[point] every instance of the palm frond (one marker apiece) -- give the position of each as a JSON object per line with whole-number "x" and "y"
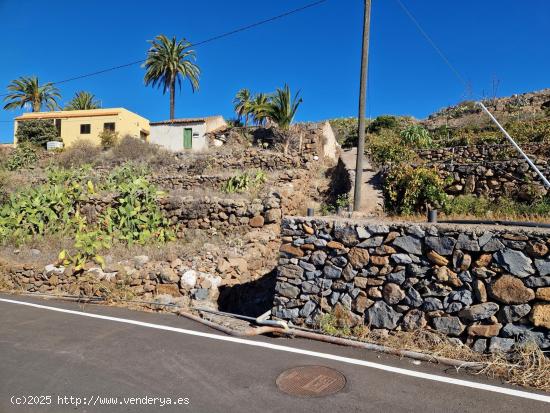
{"x": 27, "y": 91}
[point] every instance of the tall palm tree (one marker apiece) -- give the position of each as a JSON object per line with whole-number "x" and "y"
{"x": 259, "y": 108}
{"x": 242, "y": 105}
{"x": 282, "y": 107}
{"x": 83, "y": 101}
{"x": 27, "y": 91}
{"x": 168, "y": 62}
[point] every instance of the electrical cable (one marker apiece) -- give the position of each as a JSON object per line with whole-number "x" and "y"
{"x": 200, "y": 43}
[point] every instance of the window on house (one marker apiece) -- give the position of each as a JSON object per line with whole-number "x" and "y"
{"x": 58, "y": 127}
{"x": 85, "y": 128}
{"x": 109, "y": 126}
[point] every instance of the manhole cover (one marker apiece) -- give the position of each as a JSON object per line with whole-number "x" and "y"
{"x": 312, "y": 381}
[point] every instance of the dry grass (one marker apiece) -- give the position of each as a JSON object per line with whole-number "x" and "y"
{"x": 82, "y": 152}
{"x": 48, "y": 247}
{"x": 526, "y": 365}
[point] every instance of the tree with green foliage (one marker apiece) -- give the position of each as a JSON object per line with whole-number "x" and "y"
{"x": 27, "y": 92}
{"x": 258, "y": 108}
{"x": 282, "y": 107}
{"x": 83, "y": 101}
{"x": 169, "y": 62}
{"x": 36, "y": 131}
{"x": 242, "y": 105}
{"x": 383, "y": 122}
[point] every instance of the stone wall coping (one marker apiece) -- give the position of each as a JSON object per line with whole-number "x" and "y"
{"x": 477, "y": 228}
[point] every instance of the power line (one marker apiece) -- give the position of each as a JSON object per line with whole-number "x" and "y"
{"x": 433, "y": 44}
{"x": 202, "y": 42}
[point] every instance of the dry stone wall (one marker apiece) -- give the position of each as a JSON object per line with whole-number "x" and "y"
{"x": 239, "y": 158}
{"x": 482, "y": 153}
{"x": 488, "y": 287}
{"x": 190, "y": 212}
{"x": 490, "y": 170}
{"x": 221, "y": 213}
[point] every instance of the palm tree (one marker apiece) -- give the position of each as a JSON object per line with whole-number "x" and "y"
{"x": 83, "y": 101}
{"x": 168, "y": 62}
{"x": 259, "y": 108}
{"x": 242, "y": 105}
{"x": 27, "y": 91}
{"x": 282, "y": 107}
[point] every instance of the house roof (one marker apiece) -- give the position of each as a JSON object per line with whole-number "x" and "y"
{"x": 185, "y": 121}
{"x": 71, "y": 114}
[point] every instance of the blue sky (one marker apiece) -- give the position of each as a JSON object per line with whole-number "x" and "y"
{"x": 317, "y": 51}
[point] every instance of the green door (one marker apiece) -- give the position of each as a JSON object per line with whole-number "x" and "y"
{"x": 187, "y": 138}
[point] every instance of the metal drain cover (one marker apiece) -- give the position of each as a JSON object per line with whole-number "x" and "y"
{"x": 311, "y": 381}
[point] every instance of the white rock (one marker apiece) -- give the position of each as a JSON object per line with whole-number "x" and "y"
{"x": 51, "y": 269}
{"x": 188, "y": 279}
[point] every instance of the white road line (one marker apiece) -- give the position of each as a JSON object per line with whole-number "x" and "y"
{"x": 348, "y": 360}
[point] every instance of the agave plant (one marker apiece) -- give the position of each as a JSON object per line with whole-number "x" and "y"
{"x": 83, "y": 101}
{"x": 168, "y": 62}
{"x": 27, "y": 92}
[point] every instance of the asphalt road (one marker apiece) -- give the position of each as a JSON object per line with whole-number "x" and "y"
{"x": 47, "y": 353}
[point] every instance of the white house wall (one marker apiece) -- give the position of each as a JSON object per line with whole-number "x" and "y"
{"x": 171, "y": 136}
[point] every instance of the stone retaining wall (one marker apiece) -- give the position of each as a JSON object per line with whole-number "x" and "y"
{"x": 513, "y": 179}
{"x": 482, "y": 153}
{"x": 488, "y": 287}
{"x": 223, "y": 214}
{"x": 240, "y": 159}
{"x": 204, "y": 212}
{"x": 490, "y": 170}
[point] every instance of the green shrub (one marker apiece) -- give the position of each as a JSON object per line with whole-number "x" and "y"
{"x": 87, "y": 247}
{"x": 409, "y": 190}
{"x": 44, "y": 209}
{"x": 502, "y": 207}
{"x": 136, "y": 216}
{"x": 244, "y": 182}
{"x": 3, "y": 186}
{"x": 529, "y": 131}
{"x": 415, "y": 136}
{"x": 387, "y": 148}
{"x": 37, "y": 132}
{"x": 23, "y": 156}
{"x": 127, "y": 172}
{"x": 108, "y": 139}
{"x": 383, "y": 122}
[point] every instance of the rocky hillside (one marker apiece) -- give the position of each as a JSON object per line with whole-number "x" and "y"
{"x": 525, "y": 106}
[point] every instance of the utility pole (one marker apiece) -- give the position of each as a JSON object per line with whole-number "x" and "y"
{"x": 362, "y": 107}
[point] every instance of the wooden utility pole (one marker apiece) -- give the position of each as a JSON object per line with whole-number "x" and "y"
{"x": 362, "y": 107}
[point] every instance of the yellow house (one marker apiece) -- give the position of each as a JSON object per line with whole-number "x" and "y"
{"x": 73, "y": 125}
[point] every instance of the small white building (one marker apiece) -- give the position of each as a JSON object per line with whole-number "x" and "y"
{"x": 185, "y": 134}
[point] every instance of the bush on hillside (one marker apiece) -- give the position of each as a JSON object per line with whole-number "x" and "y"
{"x": 82, "y": 152}
{"x": 37, "y": 132}
{"x": 386, "y": 147}
{"x": 502, "y": 207}
{"x": 108, "y": 139}
{"x": 383, "y": 122}
{"x": 132, "y": 149}
{"x": 409, "y": 190}
{"x": 415, "y": 136}
{"x": 23, "y": 156}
